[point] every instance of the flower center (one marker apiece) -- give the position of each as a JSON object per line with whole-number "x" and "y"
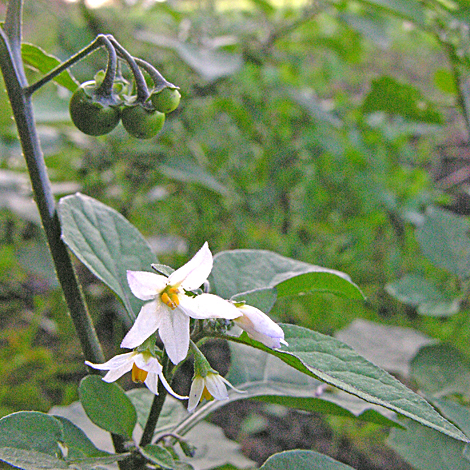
{"x": 138, "y": 375}
{"x": 170, "y": 297}
{"x": 206, "y": 394}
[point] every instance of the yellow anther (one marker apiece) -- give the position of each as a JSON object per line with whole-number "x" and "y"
{"x": 206, "y": 394}
{"x": 138, "y": 375}
{"x": 170, "y": 297}
{"x": 175, "y": 299}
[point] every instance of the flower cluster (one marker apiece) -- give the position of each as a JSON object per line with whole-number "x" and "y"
{"x": 170, "y": 304}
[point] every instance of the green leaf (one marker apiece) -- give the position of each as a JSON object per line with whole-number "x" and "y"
{"x": 426, "y": 449}
{"x": 30, "y": 459}
{"x": 445, "y": 242}
{"x": 444, "y": 81}
{"x": 418, "y": 292}
{"x": 31, "y": 440}
{"x": 413, "y": 290}
{"x": 439, "y": 309}
{"x": 158, "y": 455}
{"x": 302, "y": 459}
{"x": 31, "y": 430}
{"x": 458, "y": 414}
{"x": 36, "y": 58}
{"x": 396, "y": 98}
{"x": 265, "y": 377}
{"x": 105, "y": 242}
{"x": 441, "y": 370}
{"x": 337, "y": 364}
{"x": 239, "y": 271}
{"x": 101, "y": 400}
{"x": 76, "y": 442}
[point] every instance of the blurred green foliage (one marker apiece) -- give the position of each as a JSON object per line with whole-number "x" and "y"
{"x": 313, "y": 130}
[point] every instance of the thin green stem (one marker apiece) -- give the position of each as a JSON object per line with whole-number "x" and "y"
{"x": 142, "y": 89}
{"x": 159, "y": 81}
{"x": 106, "y": 87}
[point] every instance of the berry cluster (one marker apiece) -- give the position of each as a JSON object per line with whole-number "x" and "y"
{"x": 97, "y": 106}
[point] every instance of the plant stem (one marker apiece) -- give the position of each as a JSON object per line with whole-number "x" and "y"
{"x": 142, "y": 89}
{"x": 15, "y": 81}
{"x": 106, "y": 87}
{"x": 23, "y": 114}
{"x": 12, "y": 28}
{"x": 157, "y": 406}
{"x": 459, "y": 86}
{"x": 158, "y": 79}
{"x": 96, "y": 44}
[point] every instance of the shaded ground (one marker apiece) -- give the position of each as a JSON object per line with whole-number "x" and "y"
{"x": 299, "y": 430}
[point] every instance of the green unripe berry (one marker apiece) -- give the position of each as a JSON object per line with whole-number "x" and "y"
{"x": 142, "y": 122}
{"x": 91, "y": 115}
{"x": 166, "y": 100}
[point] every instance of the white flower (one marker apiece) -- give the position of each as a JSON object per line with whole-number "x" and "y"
{"x": 170, "y": 308}
{"x": 145, "y": 368}
{"x": 259, "y": 326}
{"x": 208, "y": 387}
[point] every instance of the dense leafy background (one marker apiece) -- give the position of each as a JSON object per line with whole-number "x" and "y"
{"x": 333, "y": 133}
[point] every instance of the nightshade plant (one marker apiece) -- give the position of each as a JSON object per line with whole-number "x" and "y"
{"x": 208, "y": 297}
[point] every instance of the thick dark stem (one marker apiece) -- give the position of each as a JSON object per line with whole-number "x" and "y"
{"x": 12, "y": 69}
{"x": 157, "y": 406}
{"x": 23, "y": 114}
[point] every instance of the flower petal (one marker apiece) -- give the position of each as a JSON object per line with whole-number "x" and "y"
{"x": 145, "y": 285}
{"x": 174, "y": 332}
{"x": 145, "y": 325}
{"x": 152, "y": 382}
{"x": 115, "y": 362}
{"x": 225, "y": 381}
{"x": 207, "y": 306}
{"x": 195, "y": 394}
{"x": 195, "y": 271}
{"x": 148, "y": 363}
{"x": 115, "y": 374}
{"x": 169, "y": 389}
{"x": 260, "y": 327}
{"x": 216, "y": 387}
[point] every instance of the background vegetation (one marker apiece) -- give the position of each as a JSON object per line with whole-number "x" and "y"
{"x": 323, "y": 131}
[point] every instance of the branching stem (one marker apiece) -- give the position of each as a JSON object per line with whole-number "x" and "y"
{"x": 100, "y": 41}
{"x": 142, "y": 89}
